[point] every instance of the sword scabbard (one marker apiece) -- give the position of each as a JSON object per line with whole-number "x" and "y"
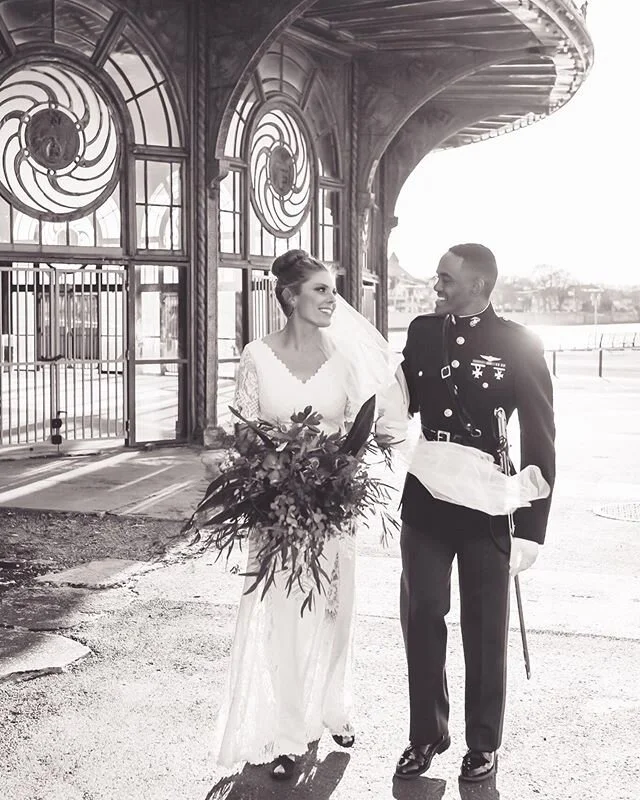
{"x": 503, "y": 454}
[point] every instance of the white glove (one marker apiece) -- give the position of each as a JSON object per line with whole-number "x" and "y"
{"x": 523, "y": 555}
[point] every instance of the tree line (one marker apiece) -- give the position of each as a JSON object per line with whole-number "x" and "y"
{"x": 551, "y": 290}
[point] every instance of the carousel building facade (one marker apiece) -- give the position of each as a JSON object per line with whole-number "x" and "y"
{"x": 156, "y": 156}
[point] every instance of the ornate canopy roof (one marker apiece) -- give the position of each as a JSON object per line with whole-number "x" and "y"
{"x": 531, "y": 55}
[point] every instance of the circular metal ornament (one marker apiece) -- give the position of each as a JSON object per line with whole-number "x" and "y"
{"x": 59, "y": 142}
{"x": 281, "y": 172}
{"x": 51, "y": 138}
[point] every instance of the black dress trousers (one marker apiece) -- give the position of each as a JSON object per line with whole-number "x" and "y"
{"x": 481, "y": 544}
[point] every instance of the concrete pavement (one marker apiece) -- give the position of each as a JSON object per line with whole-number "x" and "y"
{"x": 132, "y": 718}
{"x": 165, "y": 482}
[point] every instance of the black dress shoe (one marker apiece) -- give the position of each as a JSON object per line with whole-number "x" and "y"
{"x": 417, "y": 758}
{"x": 478, "y": 765}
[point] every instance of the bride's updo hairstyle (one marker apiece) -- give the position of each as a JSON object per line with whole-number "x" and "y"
{"x": 292, "y": 269}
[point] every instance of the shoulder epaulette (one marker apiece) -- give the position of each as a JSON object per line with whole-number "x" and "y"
{"x": 516, "y": 326}
{"x": 526, "y": 332}
{"x": 511, "y": 323}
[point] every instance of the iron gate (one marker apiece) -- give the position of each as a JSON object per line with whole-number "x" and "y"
{"x": 266, "y": 315}
{"x": 63, "y": 370}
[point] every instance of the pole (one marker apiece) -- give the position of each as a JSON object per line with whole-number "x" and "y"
{"x": 503, "y": 452}
{"x": 600, "y": 363}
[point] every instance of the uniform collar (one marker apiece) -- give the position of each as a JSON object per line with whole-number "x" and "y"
{"x": 474, "y": 320}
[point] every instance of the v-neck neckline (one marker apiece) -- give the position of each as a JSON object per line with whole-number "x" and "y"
{"x": 301, "y": 381}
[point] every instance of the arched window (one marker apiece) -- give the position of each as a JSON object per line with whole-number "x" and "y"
{"x": 92, "y": 170}
{"x": 284, "y": 190}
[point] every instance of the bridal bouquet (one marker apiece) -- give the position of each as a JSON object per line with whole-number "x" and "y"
{"x": 292, "y": 488}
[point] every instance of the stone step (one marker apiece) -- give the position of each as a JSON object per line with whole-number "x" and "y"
{"x": 100, "y": 574}
{"x": 25, "y": 655}
{"x": 42, "y": 608}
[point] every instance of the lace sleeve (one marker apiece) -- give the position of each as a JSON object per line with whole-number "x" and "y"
{"x": 350, "y": 410}
{"x": 352, "y": 402}
{"x": 246, "y": 395}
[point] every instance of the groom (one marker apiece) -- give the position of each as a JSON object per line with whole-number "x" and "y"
{"x": 460, "y": 364}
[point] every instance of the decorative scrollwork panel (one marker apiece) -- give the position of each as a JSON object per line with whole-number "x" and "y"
{"x": 58, "y": 140}
{"x": 281, "y": 172}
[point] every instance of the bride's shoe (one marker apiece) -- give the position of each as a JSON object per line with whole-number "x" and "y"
{"x": 344, "y": 741}
{"x": 281, "y": 768}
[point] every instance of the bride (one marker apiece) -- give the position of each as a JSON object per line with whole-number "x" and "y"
{"x": 289, "y": 676}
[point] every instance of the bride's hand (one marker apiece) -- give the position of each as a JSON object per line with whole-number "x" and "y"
{"x": 211, "y": 461}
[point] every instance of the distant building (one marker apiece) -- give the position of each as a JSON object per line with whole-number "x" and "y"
{"x": 407, "y": 294}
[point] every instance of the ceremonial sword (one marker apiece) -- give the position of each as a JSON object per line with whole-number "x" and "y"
{"x": 503, "y": 454}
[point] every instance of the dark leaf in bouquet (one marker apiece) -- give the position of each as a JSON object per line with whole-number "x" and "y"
{"x": 223, "y": 495}
{"x": 308, "y": 603}
{"x": 225, "y": 514}
{"x": 258, "y": 575}
{"x": 296, "y": 578}
{"x": 307, "y": 418}
{"x": 188, "y": 525}
{"x": 258, "y": 431}
{"x": 211, "y": 497}
{"x": 356, "y": 439}
{"x": 319, "y": 574}
{"x": 387, "y": 523}
{"x": 217, "y": 491}
{"x": 215, "y": 484}
{"x": 266, "y": 573}
{"x": 271, "y": 579}
{"x": 300, "y": 416}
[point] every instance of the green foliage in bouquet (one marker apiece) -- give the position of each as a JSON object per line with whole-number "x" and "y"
{"x": 293, "y": 488}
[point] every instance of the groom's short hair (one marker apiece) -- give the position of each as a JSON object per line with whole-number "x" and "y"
{"x": 480, "y": 260}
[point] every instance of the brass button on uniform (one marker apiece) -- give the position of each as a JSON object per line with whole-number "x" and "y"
{"x": 420, "y": 373}
{"x": 448, "y": 412}
{"x": 485, "y": 385}
{"x": 460, "y": 340}
{"x": 455, "y": 364}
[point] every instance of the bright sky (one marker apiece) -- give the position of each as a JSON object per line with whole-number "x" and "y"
{"x": 563, "y": 191}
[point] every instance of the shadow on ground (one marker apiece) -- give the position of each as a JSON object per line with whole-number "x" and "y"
{"x": 433, "y": 789}
{"x": 419, "y": 789}
{"x": 313, "y": 779}
{"x": 35, "y": 542}
{"x": 486, "y": 790}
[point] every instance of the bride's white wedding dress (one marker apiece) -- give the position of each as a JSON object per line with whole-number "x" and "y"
{"x": 289, "y": 676}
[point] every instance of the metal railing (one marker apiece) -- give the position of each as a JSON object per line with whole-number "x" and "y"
{"x": 605, "y": 343}
{"x": 618, "y": 341}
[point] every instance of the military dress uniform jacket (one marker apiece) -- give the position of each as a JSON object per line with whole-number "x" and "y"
{"x": 494, "y": 363}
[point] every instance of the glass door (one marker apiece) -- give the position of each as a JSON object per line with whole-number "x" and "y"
{"x": 159, "y": 364}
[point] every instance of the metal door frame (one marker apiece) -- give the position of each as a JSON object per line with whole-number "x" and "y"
{"x": 34, "y": 373}
{"x": 180, "y": 362}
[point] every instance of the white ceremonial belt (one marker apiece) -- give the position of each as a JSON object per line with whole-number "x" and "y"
{"x": 470, "y": 477}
